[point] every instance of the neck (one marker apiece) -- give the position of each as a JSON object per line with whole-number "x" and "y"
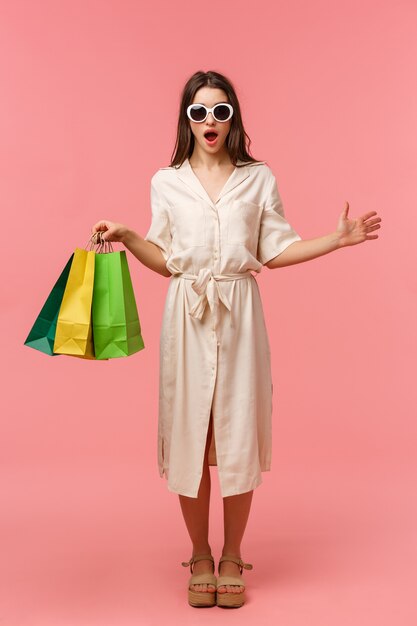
{"x": 203, "y": 160}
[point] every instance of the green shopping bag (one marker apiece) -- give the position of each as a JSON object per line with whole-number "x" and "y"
{"x": 116, "y": 325}
{"x": 42, "y": 334}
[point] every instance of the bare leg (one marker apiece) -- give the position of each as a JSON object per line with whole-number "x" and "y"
{"x": 236, "y": 512}
{"x": 196, "y": 516}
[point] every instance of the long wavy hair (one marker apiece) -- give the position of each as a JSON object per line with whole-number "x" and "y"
{"x": 237, "y": 140}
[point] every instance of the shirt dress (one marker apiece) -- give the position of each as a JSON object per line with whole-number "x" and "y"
{"x": 214, "y": 352}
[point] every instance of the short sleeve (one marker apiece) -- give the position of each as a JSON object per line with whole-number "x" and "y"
{"x": 275, "y": 232}
{"x": 159, "y": 232}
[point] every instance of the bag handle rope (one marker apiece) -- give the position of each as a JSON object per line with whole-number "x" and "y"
{"x": 103, "y": 246}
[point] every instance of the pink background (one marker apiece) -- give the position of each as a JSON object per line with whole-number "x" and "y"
{"x": 88, "y": 109}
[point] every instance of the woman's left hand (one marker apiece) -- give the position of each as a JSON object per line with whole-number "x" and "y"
{"x": 356, "y": 230}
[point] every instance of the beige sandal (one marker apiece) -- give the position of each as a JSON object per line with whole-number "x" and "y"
{"x": 227, "y": 598}
{"x": 201, "y": 598}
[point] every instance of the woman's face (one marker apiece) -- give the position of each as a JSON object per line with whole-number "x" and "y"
{"x": 210, "y": 96}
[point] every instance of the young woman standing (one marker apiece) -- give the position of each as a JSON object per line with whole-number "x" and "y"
{"x": 217, "y": 217}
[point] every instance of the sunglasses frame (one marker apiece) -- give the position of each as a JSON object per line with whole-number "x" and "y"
{"x": 209, "y": 111}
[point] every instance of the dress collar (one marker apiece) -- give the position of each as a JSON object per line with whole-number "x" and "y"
{"x": 186, "y": 174}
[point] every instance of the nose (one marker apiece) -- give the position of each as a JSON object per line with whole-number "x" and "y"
{"x": 210, "y": 118}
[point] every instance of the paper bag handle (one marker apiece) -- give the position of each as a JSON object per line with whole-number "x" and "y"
{"x": 103, "y": 246}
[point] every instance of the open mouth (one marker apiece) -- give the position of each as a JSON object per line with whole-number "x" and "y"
{"x": 210, "y": 136}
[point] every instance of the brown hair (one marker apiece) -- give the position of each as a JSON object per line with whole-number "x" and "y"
{"x": 237, "y": 140}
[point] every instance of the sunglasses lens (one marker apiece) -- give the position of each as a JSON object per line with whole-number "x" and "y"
{"x": 198, "y": 113}
{"x": 221, "y": 112}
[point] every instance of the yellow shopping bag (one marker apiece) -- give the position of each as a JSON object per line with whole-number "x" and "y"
{"x": 74, "y": 331}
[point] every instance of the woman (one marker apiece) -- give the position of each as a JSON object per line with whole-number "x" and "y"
{"x": 217, "y": 217}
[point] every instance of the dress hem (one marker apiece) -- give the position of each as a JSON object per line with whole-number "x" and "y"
{"x": 255, "y": 483}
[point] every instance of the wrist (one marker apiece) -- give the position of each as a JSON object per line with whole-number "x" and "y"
{"x": 338, "y": 241}
{"x": 127, "y": 236}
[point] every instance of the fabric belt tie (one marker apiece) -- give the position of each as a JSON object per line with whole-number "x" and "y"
{"x": 206, "y": 285}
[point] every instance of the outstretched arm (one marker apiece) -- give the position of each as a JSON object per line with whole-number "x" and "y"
{"x": 145, "y": 251}
{"x": 348, "y": 233}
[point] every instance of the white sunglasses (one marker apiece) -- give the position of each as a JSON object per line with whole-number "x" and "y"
{"x": 199, "y": 112}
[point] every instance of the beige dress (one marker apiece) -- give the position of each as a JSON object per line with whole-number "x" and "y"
{"x": 214, "y": 347}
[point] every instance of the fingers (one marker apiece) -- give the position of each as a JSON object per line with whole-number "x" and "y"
{"x": 366, "y": 216}
{"x": 376, "y": 220}
{"x": 102, "y": 225}
{"x": 345, "y": 211}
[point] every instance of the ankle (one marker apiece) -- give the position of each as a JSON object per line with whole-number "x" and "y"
{"x": 231, "y": 551}
{"x": 201, "y": 549}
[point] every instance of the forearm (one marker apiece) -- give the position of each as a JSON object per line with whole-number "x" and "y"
{"x": 305, "y": 250}
{"x": 146, "y": 252}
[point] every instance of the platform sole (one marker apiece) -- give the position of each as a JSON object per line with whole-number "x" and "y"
{"x": 231, "y": 600}
{"x": 201, "y": 598}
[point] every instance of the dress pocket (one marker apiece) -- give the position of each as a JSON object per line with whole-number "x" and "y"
{"x": 243, "y": 222}
{"x": 189, "y": 225}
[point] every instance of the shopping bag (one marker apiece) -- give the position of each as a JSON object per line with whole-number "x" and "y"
{"x": 42, "y": 334}
{"x": 74, "y": 332}
{"x": 116, "y": 325}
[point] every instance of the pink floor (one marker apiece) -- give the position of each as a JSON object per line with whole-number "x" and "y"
{"x": 329, "y": 547}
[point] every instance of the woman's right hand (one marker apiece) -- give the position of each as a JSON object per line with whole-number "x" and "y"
{"x": 111, "y": 231}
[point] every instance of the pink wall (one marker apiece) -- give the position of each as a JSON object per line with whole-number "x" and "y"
{"x": 88, "y": 109}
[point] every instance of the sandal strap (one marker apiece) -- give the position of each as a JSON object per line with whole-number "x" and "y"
{"x": 230, "y": 580}
{"x": 195, "y": 558}
{"x": 235, "y": 559}
{"x": 203, "y": 579}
